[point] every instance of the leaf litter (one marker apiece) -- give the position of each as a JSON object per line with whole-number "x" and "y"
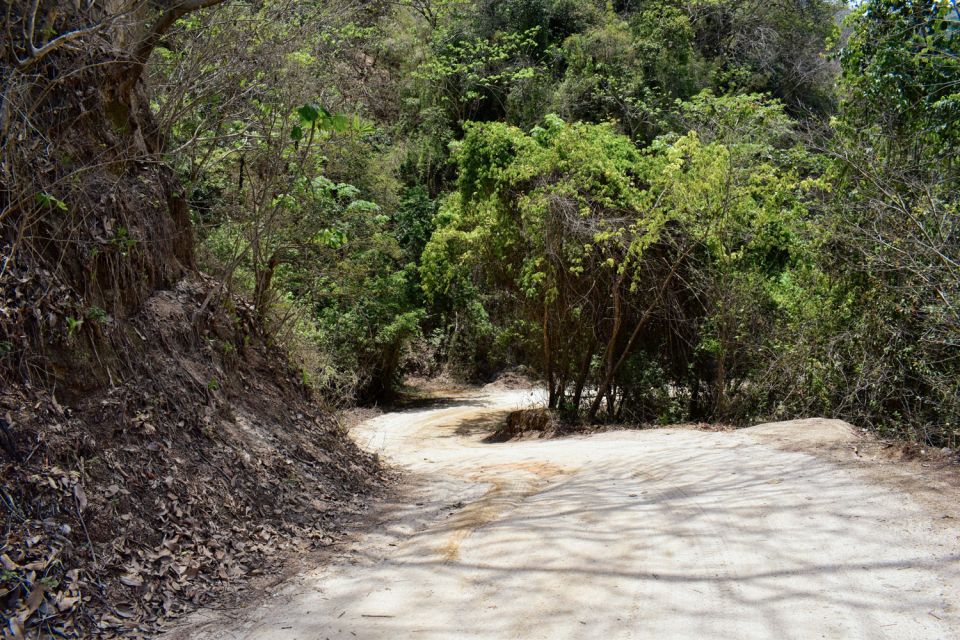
{"x": 129, "y": 506}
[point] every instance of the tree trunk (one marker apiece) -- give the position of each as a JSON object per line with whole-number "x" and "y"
{"x": 641, "y": 324}
{"x": 262, "y": 287}
{"x": 719, "y": 386}
{"x": 123, "y": 231}
{"x": 582, "y": 376}
{"x": 548, "y": 356}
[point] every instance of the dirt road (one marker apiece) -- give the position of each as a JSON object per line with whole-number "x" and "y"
{"x": 662, "y": 534}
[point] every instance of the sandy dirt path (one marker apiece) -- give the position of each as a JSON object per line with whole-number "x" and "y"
{"x": 661, "y": 534}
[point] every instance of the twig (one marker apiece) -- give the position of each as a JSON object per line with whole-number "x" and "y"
{"x": 83, "y": 524}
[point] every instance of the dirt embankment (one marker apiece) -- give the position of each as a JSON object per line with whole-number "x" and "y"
{"x": 200, "y": 469}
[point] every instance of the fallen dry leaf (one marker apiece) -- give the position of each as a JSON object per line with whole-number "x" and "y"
{"x": 81, "y": 497}
{"x": 34, "y": 600}
{"x": 132, "y": 580}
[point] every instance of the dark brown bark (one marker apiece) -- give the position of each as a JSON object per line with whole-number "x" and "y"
{"x": 263, "y": 283}
{"x": 607, "y": 381}
{"x": 548, "y": 356}
{"x": 582, "y": 375}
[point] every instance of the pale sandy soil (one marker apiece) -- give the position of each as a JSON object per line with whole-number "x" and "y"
{"x": 779, "y": 531}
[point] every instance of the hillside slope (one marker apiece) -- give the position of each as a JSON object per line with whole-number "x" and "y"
{"x": 154, "y": 444}
{"x": 202, "y": 465}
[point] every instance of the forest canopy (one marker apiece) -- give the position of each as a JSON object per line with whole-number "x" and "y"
{"x": 668, "y": 209}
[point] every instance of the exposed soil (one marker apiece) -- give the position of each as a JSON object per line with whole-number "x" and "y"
{"x": 189, "y": 482}
{"x": 929, "y": 475}
{"x": 768, "y": 532}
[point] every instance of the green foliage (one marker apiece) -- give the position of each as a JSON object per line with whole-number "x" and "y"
{"x": 769, "y": 47}
{"x": 573, "y": 228}
{"x": 900, "y": 69}
{"x": 414, "y": 222}
{"x": 47, "y": 200}
{"x": 511, "y": 183}
{"x": 318, "y": 118}
{"x": 284, "y": 189}
{"x": 469, "y": 72}
{"x": 73, "y": 326}
{"x": 629, "y": 70}
{"x": 891, "y": 358}
{"x": 122, "y": 241}
{"x": 711, "y": 226}
{"x": 97, "y": 314}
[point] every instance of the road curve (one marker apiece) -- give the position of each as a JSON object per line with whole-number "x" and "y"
{"x": 662, "y": 534}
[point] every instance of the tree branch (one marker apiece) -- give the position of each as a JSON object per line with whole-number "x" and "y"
{"x": 177, "y": 10}
{"x": 65, "y": 38}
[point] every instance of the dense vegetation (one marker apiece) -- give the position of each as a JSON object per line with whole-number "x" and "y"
{"x": 671, "y": 209}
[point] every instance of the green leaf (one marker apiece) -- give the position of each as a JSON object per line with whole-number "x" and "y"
{"x": 333, "y": 238}
{"x": 309, "y": 114}
{"x": 339, "y": 123}
{"x": 363, "y": 206}
{"x": 50, "y": 201}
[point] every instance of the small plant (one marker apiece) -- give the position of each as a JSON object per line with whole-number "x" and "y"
{"x": 305, "y": 378}
{"x": 123, "y": 241}
{"x": 73, "y": 325}
{"x": 212, "y": 384}
{"x": 50, "y": 582}
{"x": 53, "y": 202}
{"x": 97, "y": 314}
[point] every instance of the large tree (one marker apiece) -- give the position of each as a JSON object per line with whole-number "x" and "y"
{"x": 617, "y": 260}
{"x": 92, "y": 220}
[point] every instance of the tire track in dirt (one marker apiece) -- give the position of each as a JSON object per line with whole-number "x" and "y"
{"x": 668, "y": 533}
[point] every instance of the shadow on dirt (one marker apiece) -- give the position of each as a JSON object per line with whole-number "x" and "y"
{"x": 768, "y": 549}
